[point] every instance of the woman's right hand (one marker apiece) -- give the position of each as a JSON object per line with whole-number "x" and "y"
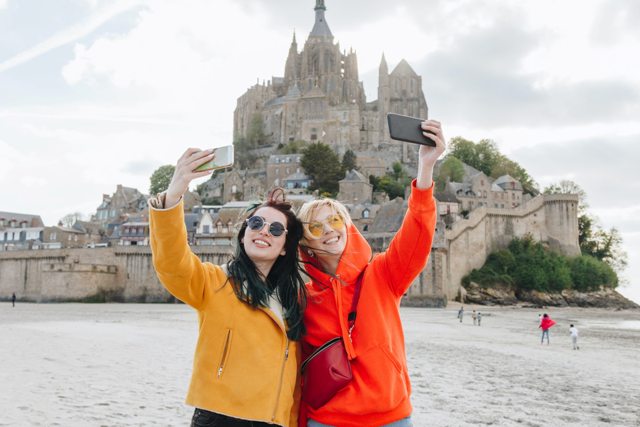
{"x": 184, "y": 174}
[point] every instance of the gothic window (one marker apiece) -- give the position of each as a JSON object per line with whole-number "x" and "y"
{"x": 234, "y": 188}
{"x": 365, "y": 213}
{"x": 314, "y": 134}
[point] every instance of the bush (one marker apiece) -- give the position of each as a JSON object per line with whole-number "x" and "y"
{"x": 528, "y": 265}
{"x": 588, "y": 274}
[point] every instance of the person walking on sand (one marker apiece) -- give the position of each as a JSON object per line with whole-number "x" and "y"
{"x": 245, "y": 368}
{"x": 573, "y": 331}
{"x": 474, "y": 316}
{"x": 13, "y": 299}
{"x": 545, "y": 324}
{"x": 339, "y": 260}
{"x": 479, "y": 318}
{"x": 461, "y": 313}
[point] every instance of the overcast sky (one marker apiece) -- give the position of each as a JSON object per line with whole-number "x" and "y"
{"x": 95, "y": 93}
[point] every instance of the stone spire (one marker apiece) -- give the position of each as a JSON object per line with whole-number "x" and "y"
{"x": 320, "y": 28}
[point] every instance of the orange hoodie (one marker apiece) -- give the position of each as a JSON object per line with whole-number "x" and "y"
{"x": 380, "y": 390}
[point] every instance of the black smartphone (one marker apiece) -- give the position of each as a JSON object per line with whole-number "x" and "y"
{"x": 405, "y": 128}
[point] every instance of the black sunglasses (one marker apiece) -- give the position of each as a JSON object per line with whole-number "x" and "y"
{"x": 256, "y": 223}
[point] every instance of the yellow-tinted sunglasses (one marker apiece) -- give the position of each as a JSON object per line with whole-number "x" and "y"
{"x": 316, "y": 228}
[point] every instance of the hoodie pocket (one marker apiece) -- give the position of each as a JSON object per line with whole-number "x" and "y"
{"x": 224, "y": 354}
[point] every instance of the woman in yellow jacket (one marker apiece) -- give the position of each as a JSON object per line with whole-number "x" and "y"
{"x": 249, "y": 310}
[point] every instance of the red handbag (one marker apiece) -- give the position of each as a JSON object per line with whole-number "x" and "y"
{"x": 328, "y": 370}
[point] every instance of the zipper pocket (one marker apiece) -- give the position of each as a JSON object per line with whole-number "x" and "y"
{"x": 318, "y": 350}
{"x": 225, "y": 353}
{"x": 284, "y": 363}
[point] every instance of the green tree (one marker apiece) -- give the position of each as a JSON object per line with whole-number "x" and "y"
{"x": 323, "y": 166}
{"x": 255, "y": 133}
{"x": 452, "y": 169}
{"x": 349, "y": 161}
{"x": 393, "y": 182}
{"x": 293, "y": 147}
{"x": 243, "y": 156}
{"x": 160, "y": 179}
{"x": 486, "y": 157}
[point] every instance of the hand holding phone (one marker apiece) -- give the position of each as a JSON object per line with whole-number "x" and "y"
{"x": 223, "y": 158}
{"x": 409, "y": 129}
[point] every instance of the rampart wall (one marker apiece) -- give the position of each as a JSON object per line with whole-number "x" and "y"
{"x": 101, "y": 274}
{"x": 127, "y": 274}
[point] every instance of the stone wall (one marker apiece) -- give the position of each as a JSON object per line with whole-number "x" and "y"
{"x": 101, "y": 274}
{"x": 550, "y": 219}
{"x": 127, "y": 274}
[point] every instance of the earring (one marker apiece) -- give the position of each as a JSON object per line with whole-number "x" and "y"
{"x": 310, "y": 252}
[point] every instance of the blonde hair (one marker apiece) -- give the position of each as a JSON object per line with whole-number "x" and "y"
{"x": 310, "y": 209}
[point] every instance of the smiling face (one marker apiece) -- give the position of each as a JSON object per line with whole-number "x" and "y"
{"x": 260, "y": 245}
{"x": 331, "y": 241}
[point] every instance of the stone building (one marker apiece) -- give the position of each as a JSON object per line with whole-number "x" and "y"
{"x": 321, "y": 99}
{"x": 58, "y": 237}
{"x": 355, "y": 188}
{"x": 20, "y": 231}
{"x": 125, "y": 200}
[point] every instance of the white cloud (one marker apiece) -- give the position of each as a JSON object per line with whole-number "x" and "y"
{"x": 70, "y": 34}
{"x": 3, "y": 4}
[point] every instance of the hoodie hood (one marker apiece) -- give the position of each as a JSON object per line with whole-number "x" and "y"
{"x": 355, "y": 257}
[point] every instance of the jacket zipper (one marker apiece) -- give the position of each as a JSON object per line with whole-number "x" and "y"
{"x": 225, "y": 351}
{"x": 284, "y": 363}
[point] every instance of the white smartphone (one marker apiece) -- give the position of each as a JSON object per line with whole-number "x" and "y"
{"x": 223, "y": 159}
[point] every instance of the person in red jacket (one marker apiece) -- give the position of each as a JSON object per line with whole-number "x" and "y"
{"x": 546, "y": 323}
{"x": 335, "y": 255}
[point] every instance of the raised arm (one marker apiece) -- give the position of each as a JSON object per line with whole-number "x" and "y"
{"x": 409, "y": 250}
{"x": 178, "y": 268}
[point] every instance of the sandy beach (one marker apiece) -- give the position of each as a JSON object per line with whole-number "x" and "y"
{"x": 129, "y": 365}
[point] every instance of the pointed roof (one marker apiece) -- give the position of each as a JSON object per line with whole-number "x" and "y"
{"x": 403, "y": 69}
{"x": 383, "y": 63}
{"x": 294, "y": 91}
{"x": 354, "y": 176}
{"x": 320, "y": 28}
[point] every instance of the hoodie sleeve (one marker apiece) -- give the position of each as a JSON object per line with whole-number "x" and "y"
{"x": 409, "y": 250}
{"x": 178, "y": 268}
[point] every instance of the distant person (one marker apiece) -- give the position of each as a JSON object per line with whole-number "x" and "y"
{"x": 461, "y": 313}
{"x": 539, "y": 320}
{"x": 573, "y": 331}
{"x": 13, "y": 299}
{"x": 545, "y": 324}
{"x": 245, "y": 368}
{"x": 479, "y": 318}
{"x": 474, "y": 316}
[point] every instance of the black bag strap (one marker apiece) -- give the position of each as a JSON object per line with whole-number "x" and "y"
{"x": 354, "y": 303}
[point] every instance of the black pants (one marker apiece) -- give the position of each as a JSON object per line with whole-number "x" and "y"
{"x": 204, "y": 418}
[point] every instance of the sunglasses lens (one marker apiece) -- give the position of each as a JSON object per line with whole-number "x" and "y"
{"x": 255, "y": 223}
{"x": 335, "y": 222}
{"x": 316, "y": 228}
{"x": 276, "y": 229}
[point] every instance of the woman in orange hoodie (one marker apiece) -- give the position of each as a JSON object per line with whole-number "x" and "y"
{"x": 249, "y": 310}
{"x": 336, "y": 255}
